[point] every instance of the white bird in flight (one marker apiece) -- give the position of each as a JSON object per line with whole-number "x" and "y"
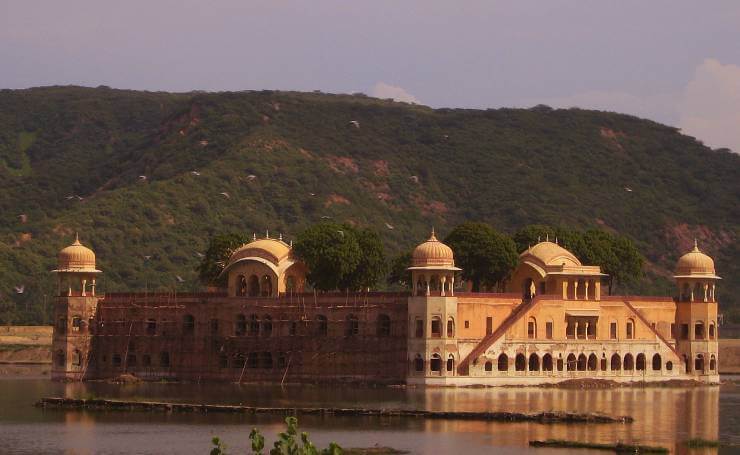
{"x": 23, "y": 217}
{"x": 627, "y": 189}
{"x": 20, "y": 289}
{"x": 199, "y": 254}
{"x": 179, "y": 279}
{"x": 389, "y": 226}
{"x": 354, "y": 123}
{"x": 195, "y": 172}
{"x": 225, "y": 194}
{"x": 147, "y": 257}
{"x": 251, "y": 177}
{"x": 142, "y": 177}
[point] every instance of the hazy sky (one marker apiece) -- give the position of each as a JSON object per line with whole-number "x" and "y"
{"x": 674, "y": 61}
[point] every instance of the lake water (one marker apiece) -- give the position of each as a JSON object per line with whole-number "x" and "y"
{"x": 663, "y": 416}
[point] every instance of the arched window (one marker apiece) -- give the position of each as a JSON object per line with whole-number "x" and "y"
{"x": 76, "y": 323}
{"x": 592, "y": 362}
{"x": 547, "y": 362}
{"x": 698, "y": 292}
{"x": 436, "y": 327}
{"x": 571, "y": 362}
{"x": 322, "y": 327}
{"x": 629, "y": 362}
{"x": 657, "y": 362}
{"x": 164, "y": 359}
{"x": 266, "y": 360}
{"x": 488, "y": 366}
{"x": 252, "y": 360}
{"x": 267, "y": 326}
{"x": 290, "y": 284}
{"x": 254, "y": 286}
{"x": 640, "y": 362}
{"x": 534, "y": 362}
{"x": 630, "y": 329}
{"x": 699, "y": 363}
{"x": 352, "y": 326}
{"x": 240, "y": 325}
{"x": 241, "y": 286}
{"x": 254, "y": 325}
{"x": 669, "y": 366}
{"x": 60, "y": 358}
{"x": 450, "y": 363}
{"x": 188, "y": 324}
{"x": 699, "y": 330}
{"x": 151, "y": 326}
{"x": 77, "y": 358}
{"x": 419, "y": 363}
{"x": 420, "y": 290}
{"x": 616, "y": 362}
{"x": 520, "y": 362}
{"x": 434, "y": 283}
{"x": 435, "y": 364}
{"x": 711, "y": 331}
{"x": 532, "y": 328}
{"x": 266, "y": 286}
{"x": 582, "y": 362}
{"x": 450, "y": 328}
{"x": 503, "y": 362}
{"x": 712, "y": 363}
{"x": 383, "y": 328}
{"x": 239, "y": 361}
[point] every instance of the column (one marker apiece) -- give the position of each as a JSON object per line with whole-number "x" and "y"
{"x": 452, "y": 284}
{"x": 565, "y": 289}
{"x": 426, "y": 280}
{"x": 586, "y": 287}
{"x": 92, "y": 287}
{"x": 83, "y": 285}
{"x": 706, "y": 291}
{"x": 442, "y": 282}
{"x": 597, "y": 290}
{"x": 575, "y": 289}
{"x": 587, "y": 324}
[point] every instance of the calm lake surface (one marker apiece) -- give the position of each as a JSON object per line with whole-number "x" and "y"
{"x": 663, "y": 416}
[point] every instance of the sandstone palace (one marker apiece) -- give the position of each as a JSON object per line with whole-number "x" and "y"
{"x": 552, "y": 325}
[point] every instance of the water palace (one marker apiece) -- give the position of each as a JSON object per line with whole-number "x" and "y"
{"x": 552, "y": 324}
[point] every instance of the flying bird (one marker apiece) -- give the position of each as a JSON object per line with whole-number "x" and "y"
{"x": 199, "y": 254}
{"x": 251, "y": 177}
{"x": 312, "y": 194}
{"x": 69, "y": 197}
{"x": 179, "y": 279}
{"x": 627, "y": 189}
{"x": 79, "y": 198}
{"x": 195, "y": 172}
{"x": 142, "y": 177}
{"x": 325, "y": 217}
{"x": 341, "y": 232}
{"x": 225, "y": 194}
{"x": 389, "y": 226}
{"x": 414, "y": 179}
{"x": 355, "y": 123}
{"x": 20, "y": 289}
{"x": 147, "y": 257}
{"x": 23, "y": 217}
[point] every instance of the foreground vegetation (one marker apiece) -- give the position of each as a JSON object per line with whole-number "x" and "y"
{"x": 149, "y": 178}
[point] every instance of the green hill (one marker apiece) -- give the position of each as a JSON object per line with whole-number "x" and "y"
{"x": 71, "y": 160}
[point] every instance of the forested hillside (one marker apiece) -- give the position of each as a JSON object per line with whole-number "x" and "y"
{"x": 146, "y": 178}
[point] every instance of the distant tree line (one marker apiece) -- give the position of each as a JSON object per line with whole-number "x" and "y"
{"x": 343, "y": 257}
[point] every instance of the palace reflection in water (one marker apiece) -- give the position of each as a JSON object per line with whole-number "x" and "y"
{"x": 663, "y": 416}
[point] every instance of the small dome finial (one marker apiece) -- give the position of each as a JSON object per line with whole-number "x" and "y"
{"x": 267, "y": 233}
{"x": 696, "y": 245}
{"x": 280, "y": 236}
{"x": 547, "y": 237}
{"x": 432, "y": 238}
{"x": 556, "y": 241}
{"x": 77, "y": 239}
{"x": 254, "y": 236}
